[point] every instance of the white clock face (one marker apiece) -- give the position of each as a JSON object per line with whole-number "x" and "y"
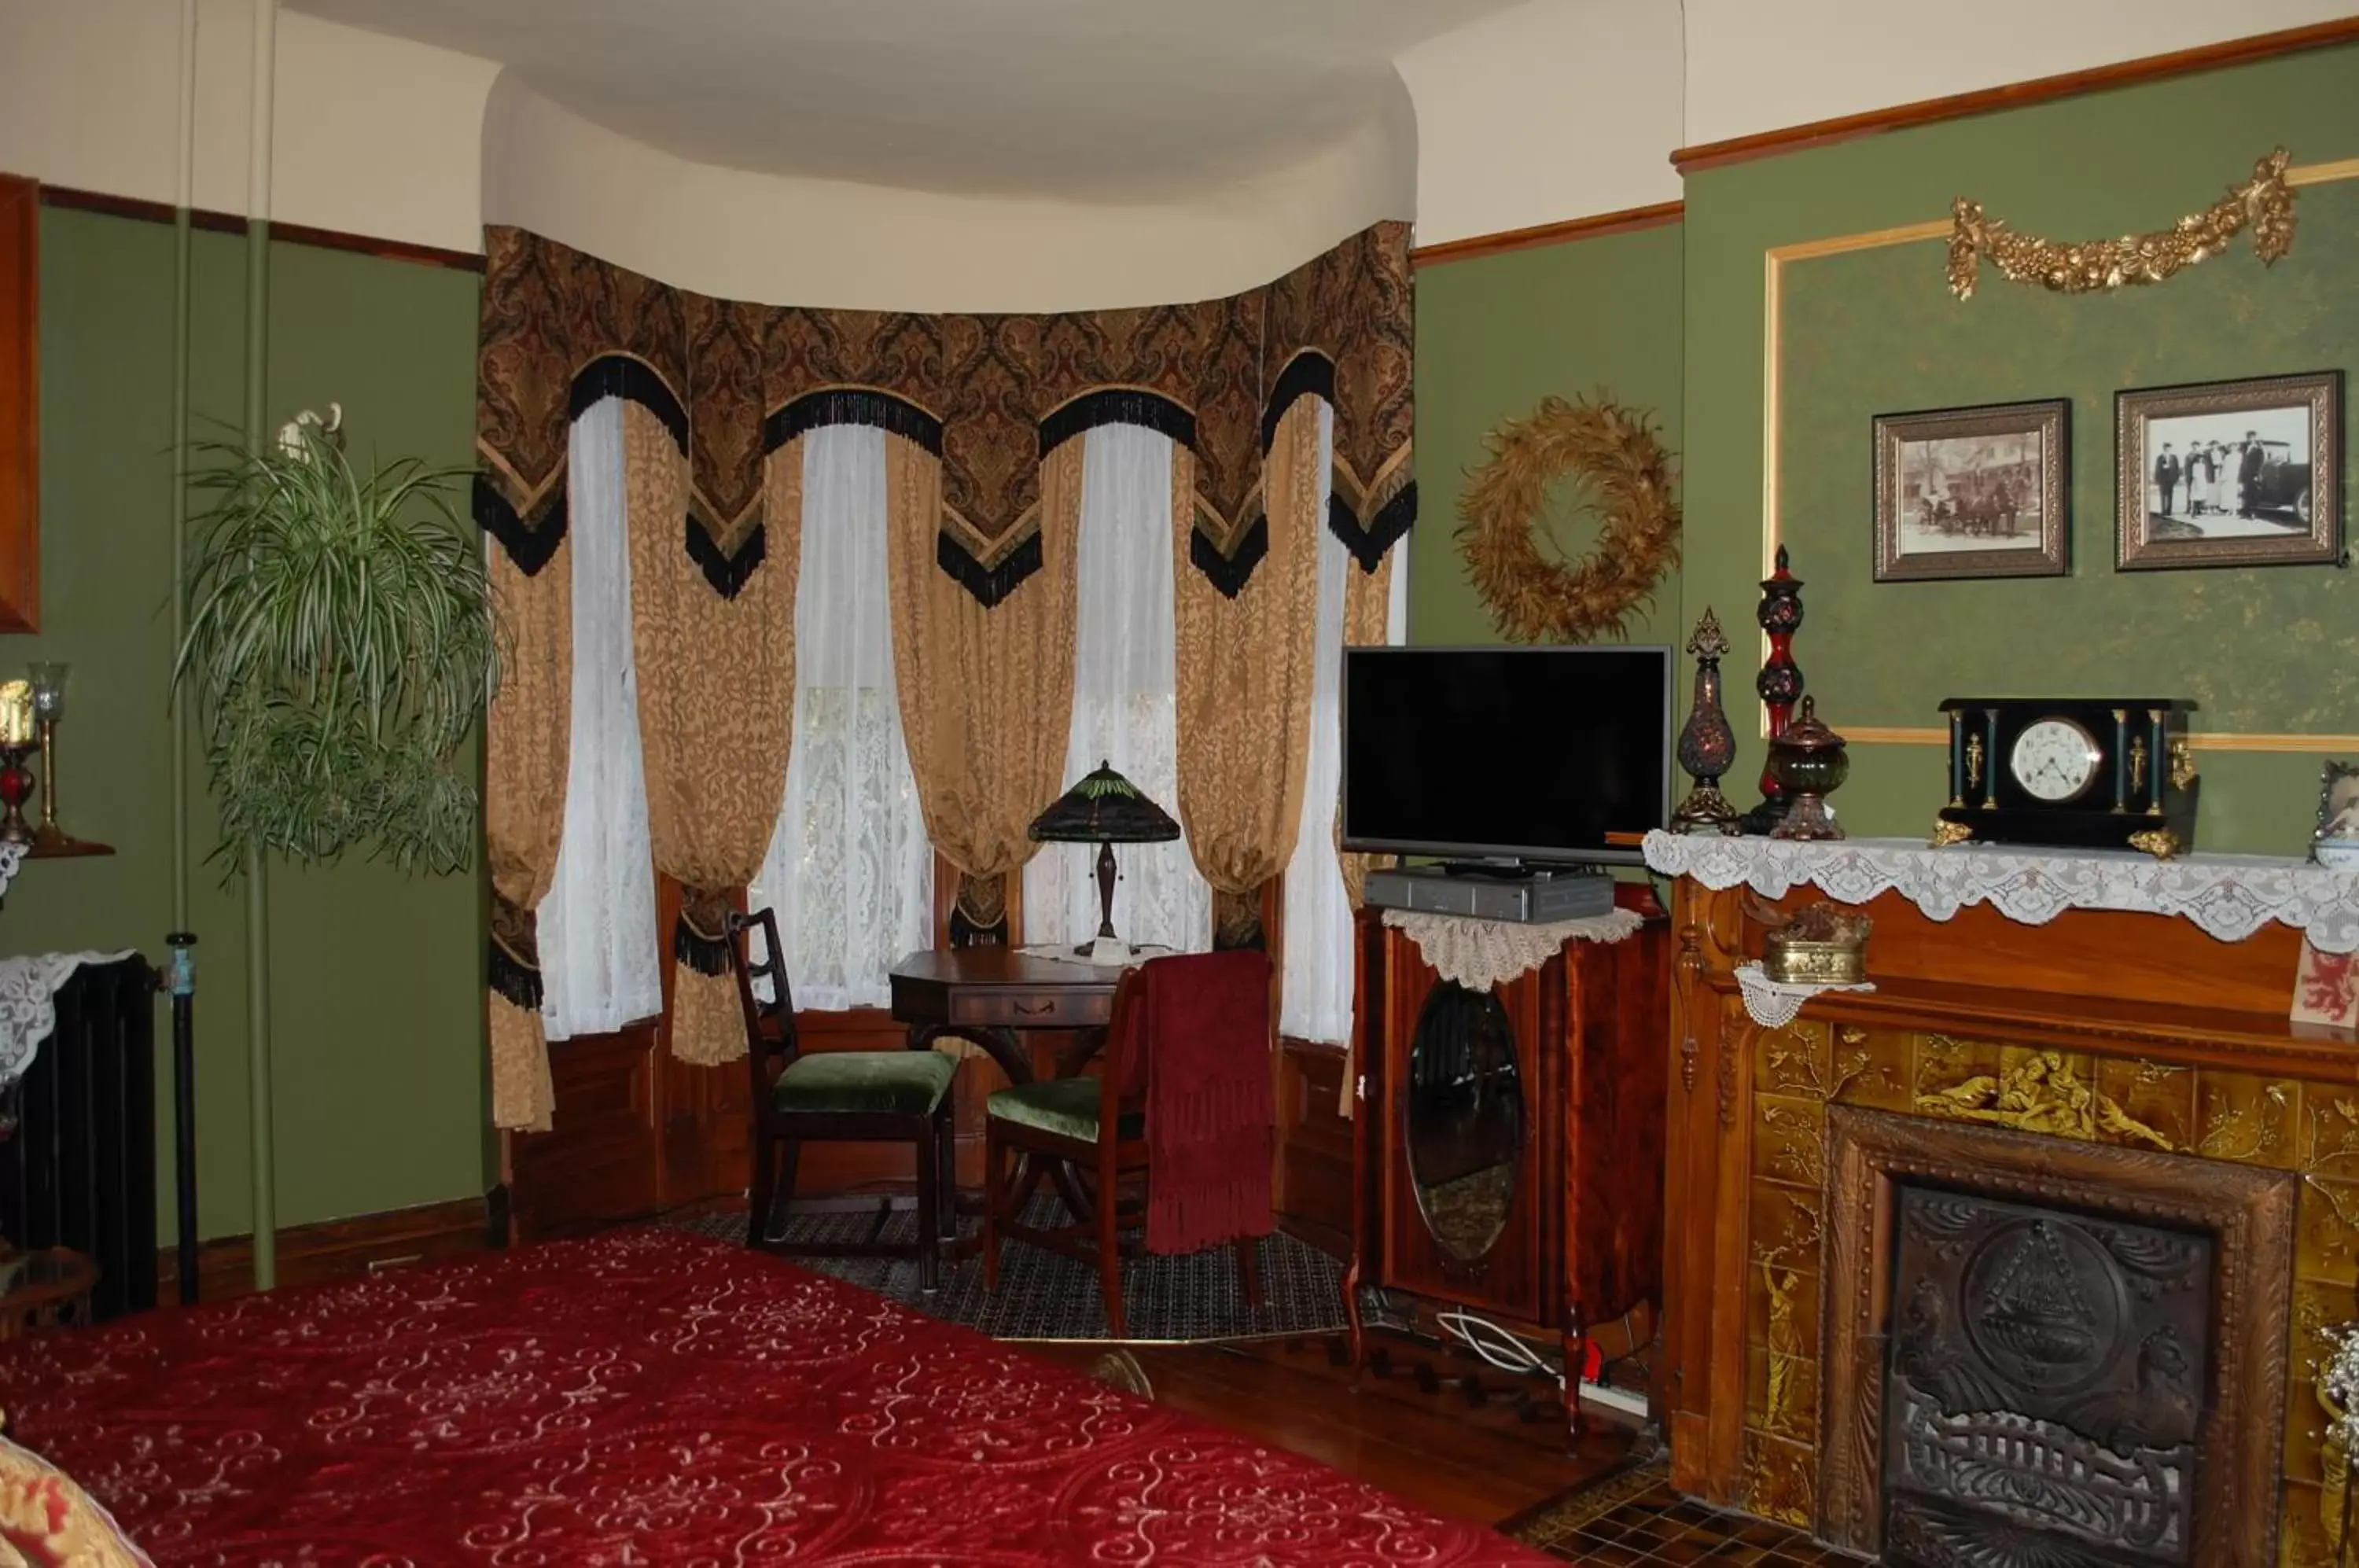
{"x": 2055, "y": 760}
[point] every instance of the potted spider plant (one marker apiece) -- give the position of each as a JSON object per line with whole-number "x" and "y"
{"x": 339, "y": 645}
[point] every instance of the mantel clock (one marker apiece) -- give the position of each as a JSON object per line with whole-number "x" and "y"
{"x": 2070, "y": 773}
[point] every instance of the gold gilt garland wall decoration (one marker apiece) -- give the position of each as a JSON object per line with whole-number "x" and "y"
{"x": 2263, "y": 204}
{"x": 1532, "y": 598}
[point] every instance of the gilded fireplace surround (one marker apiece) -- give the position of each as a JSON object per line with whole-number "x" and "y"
{"x": 2119, "y": 1038}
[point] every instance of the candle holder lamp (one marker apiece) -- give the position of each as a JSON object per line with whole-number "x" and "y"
{"x": 48, "y": 683}
{"x": 1104, "y": 809}
{"x": 18, "y": 744}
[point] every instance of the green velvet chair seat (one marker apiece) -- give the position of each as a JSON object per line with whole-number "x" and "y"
{"x": 881, "y": 1082}
{"x": 1066, "y": 1106}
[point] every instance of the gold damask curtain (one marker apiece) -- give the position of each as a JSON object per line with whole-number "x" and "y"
{"x": 987, "y": 693}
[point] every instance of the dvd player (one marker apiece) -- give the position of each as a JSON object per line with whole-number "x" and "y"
{"x": 1530, "y": 898}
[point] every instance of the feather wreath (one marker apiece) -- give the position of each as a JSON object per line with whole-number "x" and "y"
{"x": 1536, "y": 594}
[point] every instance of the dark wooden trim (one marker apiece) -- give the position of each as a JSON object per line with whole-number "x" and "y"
{"x": 2016, "y": 94}
{"x": 213, "y": 222}
{"x": 337, "y": 1249}
{"x": 1597, "y": 226}
{"x": 20, "y": 404}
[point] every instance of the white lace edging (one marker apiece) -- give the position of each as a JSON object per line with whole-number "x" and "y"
{"x": 12, "y": 855}
{"x": 1480, "y": 954}
{"x": 2229, "y": 896}
{"x": 29, "y": 991}
{"x": 1774, "y": 1004}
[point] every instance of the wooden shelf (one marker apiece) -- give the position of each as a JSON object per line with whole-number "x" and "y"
{"x": 71, "y": 849}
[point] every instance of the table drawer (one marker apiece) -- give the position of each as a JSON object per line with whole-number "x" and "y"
{"x": 1015, "y": 1008}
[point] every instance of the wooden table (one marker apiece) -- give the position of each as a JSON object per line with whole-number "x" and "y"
{"x": 992, "y": 997}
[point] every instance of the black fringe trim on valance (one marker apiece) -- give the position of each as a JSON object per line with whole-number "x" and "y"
{"x": 1230, "y": 573}
{"x": 514, "y": 979}
{"x": 1308, "y": 374}
{"x": 620, "y": 375}
{"x": 989, "y": 584}
{"x": 1119, "y": 406}
{"x": 727, "y": 573}
{"x": 1368, "y": 545}
{"x": 852, "y": 405}
{"x": 705, "y": 954}
{"x": 529, "y": 541}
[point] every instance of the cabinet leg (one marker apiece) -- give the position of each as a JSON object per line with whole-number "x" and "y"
{"x": 1576, "y": 1361}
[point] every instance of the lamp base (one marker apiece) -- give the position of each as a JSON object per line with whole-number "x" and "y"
{"x": 1111, "y": 949}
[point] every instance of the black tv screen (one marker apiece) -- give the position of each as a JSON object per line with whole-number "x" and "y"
{"x": 1498, "y": 753}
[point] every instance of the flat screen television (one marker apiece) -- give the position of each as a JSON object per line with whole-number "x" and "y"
{"x": 1532, "y": 754}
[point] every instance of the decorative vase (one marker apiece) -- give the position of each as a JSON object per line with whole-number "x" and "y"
{"x": 1779, "y": 616}
{"x": 1707, "y": 745}
{"x": 1808, "y": 764}
{"x": 48, "y": 682}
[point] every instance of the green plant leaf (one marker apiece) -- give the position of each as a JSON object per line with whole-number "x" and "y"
{"x": 341, "y": 641}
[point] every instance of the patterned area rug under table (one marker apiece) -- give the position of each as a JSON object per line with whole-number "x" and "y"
{"x": 650, "y": 1396}
{"x": 1045, "y": 1295}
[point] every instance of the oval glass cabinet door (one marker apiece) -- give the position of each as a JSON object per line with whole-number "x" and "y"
{"x": 1464, "y": 1111}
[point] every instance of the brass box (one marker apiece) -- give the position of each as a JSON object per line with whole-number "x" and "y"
{"x": 1800, "y": 961}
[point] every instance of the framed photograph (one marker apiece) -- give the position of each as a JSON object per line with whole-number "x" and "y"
{"x": 2230, "y": 473}
{"x": 2336, "y": 838}
{"x": 1973, "y": 492}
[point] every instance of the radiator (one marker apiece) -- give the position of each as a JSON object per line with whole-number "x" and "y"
{"x": 79, "y": 1169}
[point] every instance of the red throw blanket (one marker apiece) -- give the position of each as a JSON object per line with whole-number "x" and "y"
{"x": 1203, "y": 1022}
{"x": 657, "y": 1399}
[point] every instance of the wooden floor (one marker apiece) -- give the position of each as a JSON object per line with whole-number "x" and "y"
{"x": 1429, "y": 1448}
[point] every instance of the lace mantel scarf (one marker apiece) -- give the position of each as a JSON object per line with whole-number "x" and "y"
{"x": 1481, "y": 954}
{"x": 2229, "y": 896}
{"x": 28, "y": 989}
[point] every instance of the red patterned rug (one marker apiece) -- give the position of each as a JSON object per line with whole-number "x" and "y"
{"x": 651, "y": 1397}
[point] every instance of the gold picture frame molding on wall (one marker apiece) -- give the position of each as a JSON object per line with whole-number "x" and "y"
{"x": 1775, "y": 260}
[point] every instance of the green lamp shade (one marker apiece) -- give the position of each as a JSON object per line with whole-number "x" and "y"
{"x": 1105, "y": 808}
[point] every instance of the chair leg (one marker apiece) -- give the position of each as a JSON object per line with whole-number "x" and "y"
{"x": 1249, "y": 1269}
{"x": 762, "y": 1194}
{"x": 946, "y": 1166}
{"x": 1110, "y": 1258}
{"x": 990, "y": 1199}
{"x": 930, "y": 1187}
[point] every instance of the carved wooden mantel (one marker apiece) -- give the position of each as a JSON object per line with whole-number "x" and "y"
{"x": 2109, "y": 1030}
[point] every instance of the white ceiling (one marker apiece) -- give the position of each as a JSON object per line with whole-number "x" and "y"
{"x": 1096, "y": 100}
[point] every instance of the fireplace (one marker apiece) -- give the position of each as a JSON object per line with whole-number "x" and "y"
{"x": 2043, "y": 1387}
{"x": 2040, "y": 1351}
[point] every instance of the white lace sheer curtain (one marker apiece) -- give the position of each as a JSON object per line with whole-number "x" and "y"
{"x": 1125, "y": 706}
{"x": 600, "y": 960}
{"x": 850, "y": 871}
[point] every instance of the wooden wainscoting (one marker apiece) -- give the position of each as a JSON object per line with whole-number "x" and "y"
{"x": 1314, "y": 1146}
{"x": 334, "y": 1249}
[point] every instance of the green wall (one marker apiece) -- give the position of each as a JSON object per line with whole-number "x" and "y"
{"x": 1876, "y": 331}
{"x": 375, "y": 997}
{"x": 1497, "y": 335}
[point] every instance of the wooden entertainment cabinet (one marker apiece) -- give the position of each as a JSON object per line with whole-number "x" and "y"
{"x": 1534, "y": 1113}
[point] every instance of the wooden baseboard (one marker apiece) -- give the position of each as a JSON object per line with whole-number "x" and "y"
{"x": 335, "y": 1249}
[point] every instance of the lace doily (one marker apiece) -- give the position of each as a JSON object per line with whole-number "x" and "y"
{"x": 28, "y": 989}
{"x": 2227, "y": 895}
{"x": 12, "y": 855}
{"x": 1121, "y": 958}
{"x": 1773, "y": 1003}
{"x": 1480, "y": 955}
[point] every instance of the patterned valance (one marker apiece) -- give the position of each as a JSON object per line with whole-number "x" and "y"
{"x": 990, "y": 396}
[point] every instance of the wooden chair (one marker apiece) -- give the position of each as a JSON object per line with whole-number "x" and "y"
{"x": 1064, "y": 1118}
{"x": 861, "y": 1097}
